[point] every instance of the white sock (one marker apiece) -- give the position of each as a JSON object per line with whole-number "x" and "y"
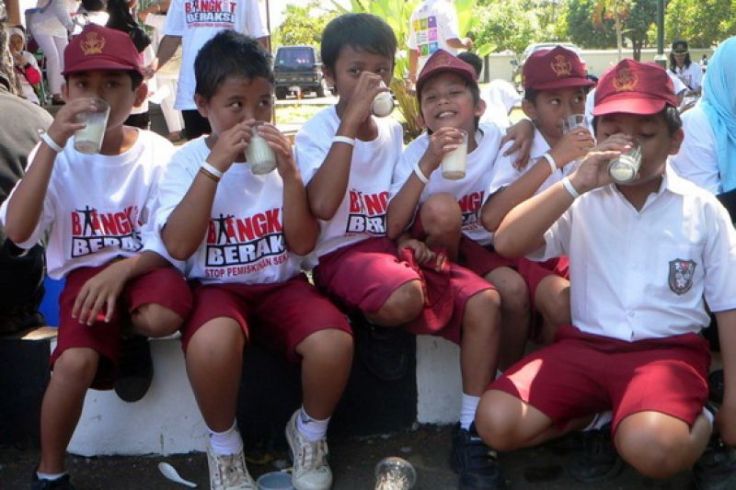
{"x": 49, "y": 476}
{"x": 709, "y": 415}
{"x": 468, "y": 406}
{"x": 228, "y": 442}
{"x": 312, "y": 429}
{"x": 600, "y": 419}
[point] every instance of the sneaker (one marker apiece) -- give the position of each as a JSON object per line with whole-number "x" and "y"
{"x": 598, "y": 459}
{"x": 716, "y": 468}
{"x": 311, "y": 471}
{"x": 475, "y": 463}
{"x": 382, "y": 350}
{"x": 63, "y": 483}
{"x": 228, "y": 472}
{"x": 136, "y": 369}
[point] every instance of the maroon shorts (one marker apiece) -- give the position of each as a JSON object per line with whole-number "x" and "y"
{"x": 164, "y": 286}
{"x": 581, "y": 374}
{"x": 279, "y": 316}
{"x": 534, "y": 272}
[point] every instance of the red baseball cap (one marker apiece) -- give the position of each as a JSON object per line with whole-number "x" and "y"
{"x": 551, "y": 69}
{"x": 632, "y": 87}
{"x": 442, "y": 61}
{"x": 100, "y": 48}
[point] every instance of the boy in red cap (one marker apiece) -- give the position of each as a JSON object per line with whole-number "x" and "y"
{"x": 555, "y": 86}
{"x": 96, "y": 209}
{"x": 445, "y": 215}
{"x": 645, "y": 257}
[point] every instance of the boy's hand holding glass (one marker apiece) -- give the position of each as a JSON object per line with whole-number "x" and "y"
{"x": 230, "y": 145}
{"x": 281, "y": 149}
{"x": 593, "y": 169}
{"x": 361, "y": 100}
{"x": 572, "y": 146}
{"x": 66, "y": 122}
{"x": 441, "y": 142}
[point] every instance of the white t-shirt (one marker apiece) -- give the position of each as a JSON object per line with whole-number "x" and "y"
{"x": 362, "y": 212}
{"x": 196, "y": 22}
{"x": 645, "y": 274}
{"x": 505, "y": 172}
{"x": 245, "y": 240}
{"x": 691, "y": 76}
{"x": 697, "y": 160}
{"x": 500, "y": 97}
{"x": 97, "y": 207}
{"x": 470, "y": 191}
{"x": 432, "y": 23}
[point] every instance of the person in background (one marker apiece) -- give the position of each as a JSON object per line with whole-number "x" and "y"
{"x": 684, "y": 68}
{"x": 499, "y": 95}
{"x": 433, "y": 25}
{"x": 26, "y": 66}
{"x": 91, "y": 12}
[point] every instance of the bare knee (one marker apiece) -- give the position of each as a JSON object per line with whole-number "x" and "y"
{"x": 512, "y": 288}
{"x": 76, "y": 365}
{"x": 483, "y": 309}
{"x": 153, "y": 320}
{"x": 497, "y": 420}
{"x": 329, "y": 344}
{"x": 553, "y": 300}
{"x": 403, "y": 306}
{"x": 652, "y": 450}
{"x": 441, "y": 215}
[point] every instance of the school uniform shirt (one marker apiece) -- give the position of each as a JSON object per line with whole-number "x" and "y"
{"x": 196, "y": 22}
{"x": 697, "y": 160}
{"x": 500, "y": 97}
{"x": 362, "y": 212}
{"x": 470, "y": 191}
{"x": 646, "y": 274}
{"x": 505, "y": 172}
{"x": 692, "y": 75}
{"x": 97, "y": 207}
{"x": 244, "y": 242}
{"x": 432, "y": 23}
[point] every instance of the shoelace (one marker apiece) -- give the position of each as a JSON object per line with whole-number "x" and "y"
{"x": 312, "y": 455}
{"x": 230, "y": 470}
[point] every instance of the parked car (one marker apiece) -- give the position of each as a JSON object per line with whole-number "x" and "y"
{"x": 298, "y": 68}
{"x": 533, "y": 48}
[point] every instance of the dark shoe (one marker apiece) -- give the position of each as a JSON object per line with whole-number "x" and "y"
{"x": 136, "y": 369}
{"x": 475, "y": 463}
{"x": 716, "y": 388}
{"x": 716, "y": 468}
{"x": 598, "y": 459}
{"x": 383, "y": 350}
{"x": 63, "y": 483}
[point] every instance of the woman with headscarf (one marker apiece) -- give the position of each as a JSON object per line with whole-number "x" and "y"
{"x": 25, "y": 64}
{"x": 708, "y": 153}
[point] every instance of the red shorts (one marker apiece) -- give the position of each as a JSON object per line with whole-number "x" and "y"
{"x": 164, "y": 286}
{"x": 534, "y": 272}
{"x": 280, "y": 315}
{"x": 581, "y": 374}
{"x": 381, "y": 269}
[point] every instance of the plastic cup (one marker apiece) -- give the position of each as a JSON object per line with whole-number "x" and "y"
{"x": 259, "y": 155}
{"x": 394, "y": 473}
{"x": 454, "y": 162}
{"x": 625, "y": 168}
{"x": 275, "y": 480}
{"x": 89, "y": 138}
{"x": 383, "y": 104}
{"x": 572, "y": 122}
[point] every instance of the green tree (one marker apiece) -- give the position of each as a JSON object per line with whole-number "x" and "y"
{"x": 505, "y": 25}
{"x": 638, "y": 25}
{"x": 303, "y": 25}
{"x": 701, "y": 22}
{"x": 616, "y": 10}
{"x": 583, "y": 31}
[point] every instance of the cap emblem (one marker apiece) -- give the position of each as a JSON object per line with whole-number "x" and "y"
{"x": 625, "y": 81}
{"x": 561, "y": 66}
{"x": 93, "y": 43}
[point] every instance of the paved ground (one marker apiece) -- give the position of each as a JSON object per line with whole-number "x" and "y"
{"x": 352, "y": 462}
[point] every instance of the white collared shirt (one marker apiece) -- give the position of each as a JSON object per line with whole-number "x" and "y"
{"x": 646, "y": 274}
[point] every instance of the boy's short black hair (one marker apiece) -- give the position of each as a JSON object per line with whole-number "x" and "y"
{"x": 473, "y": 60}
{"x": 229, "y": 54}
{"x": 363, "y": 32}
{"x": 670, "y": 115}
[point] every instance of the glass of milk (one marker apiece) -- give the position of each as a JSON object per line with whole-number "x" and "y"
{"x": 89, "y": 138}
{"x": 572, "y": 122}
{"x": 453, "y": 163}
{"x": 625, "y": 168}
{"x": 259, "y": 155}
{"x": 383, "y": 104}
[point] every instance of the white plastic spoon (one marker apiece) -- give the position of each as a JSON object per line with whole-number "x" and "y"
{"x": 170, "y": 473}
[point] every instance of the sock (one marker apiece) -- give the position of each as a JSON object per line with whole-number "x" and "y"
{"x": 468, "y": 406}
{"x": 708, "y": 414}
{"x": 312, "y": 429}
{"x": 600, "y": 419}
{"x": 228, "y": 442}
{"x": 49, "y": 476}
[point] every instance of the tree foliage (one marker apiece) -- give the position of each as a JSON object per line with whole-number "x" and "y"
{"x": 303, "y": 24}
{"x": 701, "y": 22}
{"x": 583, "y": 31}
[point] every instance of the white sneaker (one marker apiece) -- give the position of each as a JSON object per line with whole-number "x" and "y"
{"x": 228, "y": 472}
{"x": 311, "y": 471}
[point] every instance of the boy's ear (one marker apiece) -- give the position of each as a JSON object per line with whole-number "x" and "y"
{"x": 480, "y": 108}
{"x": 529, "y": 109}
{"x": 140, "y": 94}
{"x": 201, "y": 103}
{"x": 676, "y": 141}
{"x": 328, "y": 75}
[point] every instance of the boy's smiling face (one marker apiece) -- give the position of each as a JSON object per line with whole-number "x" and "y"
{"x": 551, "y": 107}
{"x": 350, "y": 63}
{"x": 237, "y": 99}
{"x": 446, "y": 101}
{"x": 651, "y": 132}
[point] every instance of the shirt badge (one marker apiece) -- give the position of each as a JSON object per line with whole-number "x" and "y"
{"x": 681, "y": 275}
